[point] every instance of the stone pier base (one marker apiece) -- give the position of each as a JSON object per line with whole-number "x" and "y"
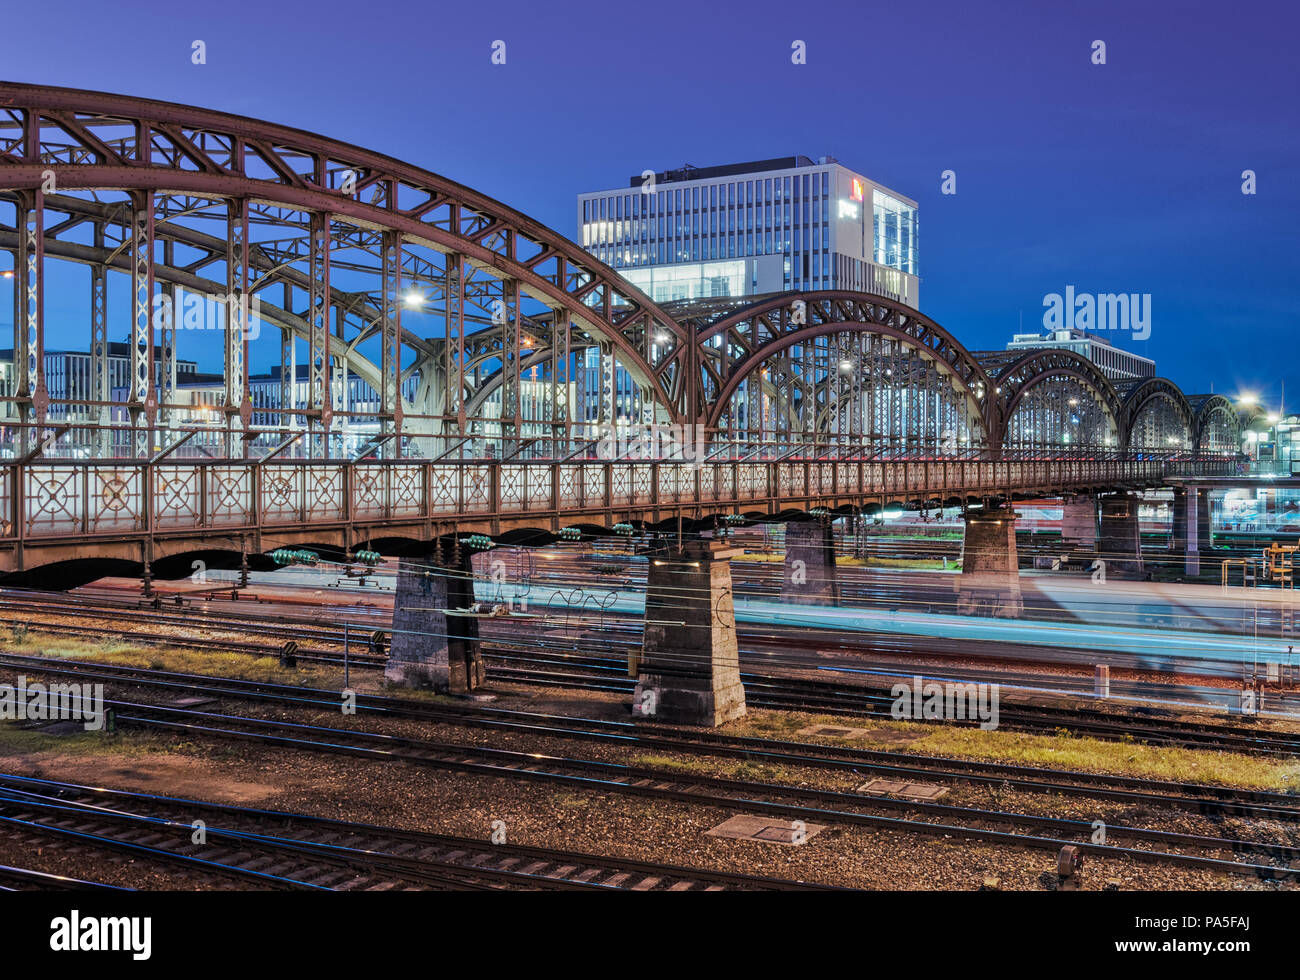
{"x": 431, "y": 648}
{"x": 1079, "y": 522}
{"x": 1188, "y": 503}
{"x": 1121, "y": 542}
{"x": 809, "y": 575}
{"x": 689, "y": 672}
{"x": 989, "y": 583}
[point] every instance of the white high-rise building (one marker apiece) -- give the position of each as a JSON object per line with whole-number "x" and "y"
{"x": 1115, "y": 362}
{"x": 752, "y": 228}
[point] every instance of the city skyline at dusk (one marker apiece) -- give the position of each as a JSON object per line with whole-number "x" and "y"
{"x": 1056, "y": 182}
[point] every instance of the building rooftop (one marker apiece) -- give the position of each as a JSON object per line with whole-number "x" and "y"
{"x": 688, "y": 172}
{"x": 115, "y": 349}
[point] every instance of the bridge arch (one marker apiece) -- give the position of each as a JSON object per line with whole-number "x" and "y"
{"x": 837, "y": 363}
{"x": 1217, "y": 426}
{"x": 1156, "y": 417}
{"x": 1053, "y": 389}
{"x": 163, "y": 156}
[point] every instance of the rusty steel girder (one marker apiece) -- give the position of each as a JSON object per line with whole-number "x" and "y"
{"x": 142, "y": 510}
{"x": 691, "y": 361}
{"x": 182, "y": 149}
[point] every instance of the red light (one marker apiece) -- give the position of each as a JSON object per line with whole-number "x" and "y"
{"x": 857, "y": 190}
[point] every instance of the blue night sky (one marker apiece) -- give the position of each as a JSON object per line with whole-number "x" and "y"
{"x": 1117, "y": 178}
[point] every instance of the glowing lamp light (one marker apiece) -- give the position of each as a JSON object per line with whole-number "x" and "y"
{"x": 1247, "y": 398}
{"x": 414, "y": 299}
{"x": 8, "y": 273}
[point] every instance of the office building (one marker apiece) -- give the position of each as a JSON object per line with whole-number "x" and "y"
{"x": 1117, "y": 364}
{"x": 752, "y": 228}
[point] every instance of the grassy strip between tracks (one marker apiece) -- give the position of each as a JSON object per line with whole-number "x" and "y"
{"x": 916, "y": 564}
{"x": 1062, "y": 750}
{"x": 36, "y": 746}
{"x": 114, "y": 649}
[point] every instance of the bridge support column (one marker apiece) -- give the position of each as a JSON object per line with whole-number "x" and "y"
{"x": 989, "y": 583}
{"x": 1121, "y": 543}
{"x": 430, "y": 648}
{"x": 809, "y": 577}
{"x": 1079, "y": 522}
{"x": 690, "y": 664}
{"x": 1204, "y": 534}
{"x": 1187, "y": 527}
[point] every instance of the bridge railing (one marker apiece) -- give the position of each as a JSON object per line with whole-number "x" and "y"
{"x": 72, "y": 499}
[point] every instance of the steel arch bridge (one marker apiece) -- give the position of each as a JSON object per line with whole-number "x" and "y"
{"x": 466, "y": 350}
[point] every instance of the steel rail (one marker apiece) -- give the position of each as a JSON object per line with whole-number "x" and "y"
{"x": 705, "y": 790}
{"x": 655, "y": 874}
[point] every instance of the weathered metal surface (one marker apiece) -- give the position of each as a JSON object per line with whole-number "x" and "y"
{"x": 105, "y": 507}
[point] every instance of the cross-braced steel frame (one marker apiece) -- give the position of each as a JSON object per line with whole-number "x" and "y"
{"x": 463, "y": 318}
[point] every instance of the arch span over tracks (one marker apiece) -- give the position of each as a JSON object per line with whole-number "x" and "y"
{"x": 340, "y": 228}
{"x": 442, "y": 358}
{"x": 459, "y": 314}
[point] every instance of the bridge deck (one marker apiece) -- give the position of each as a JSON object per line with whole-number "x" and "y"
{"x": 140, "y": 511}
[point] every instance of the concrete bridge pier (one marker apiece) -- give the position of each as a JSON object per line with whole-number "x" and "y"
{"x": 1121, "y": 543}
{"x": 989, "y": 583}
{"x": 809, "y": 577}
{"x": 1187, "y": 527}
{"x": 1079, "y": 522}
{"x": 431, "y": 648}
{"x": 1204, "y": 535}
{"x": 689, "y": 672}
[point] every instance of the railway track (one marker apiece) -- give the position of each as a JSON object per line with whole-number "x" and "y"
{"x": 1189, "y": 797}
{"x": 795, "y": 803}
{"x": 25, "y": 879}
{"x": 796, "y": 694}
{"x": 608, "y": 674}
{"x": 323, "y": 853}
{"x": 328, "y": 642}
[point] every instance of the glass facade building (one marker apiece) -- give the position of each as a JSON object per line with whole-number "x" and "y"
{"x": 753, "y": 228}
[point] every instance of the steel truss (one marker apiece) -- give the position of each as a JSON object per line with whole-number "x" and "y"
{"x": 344, "y": 240}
